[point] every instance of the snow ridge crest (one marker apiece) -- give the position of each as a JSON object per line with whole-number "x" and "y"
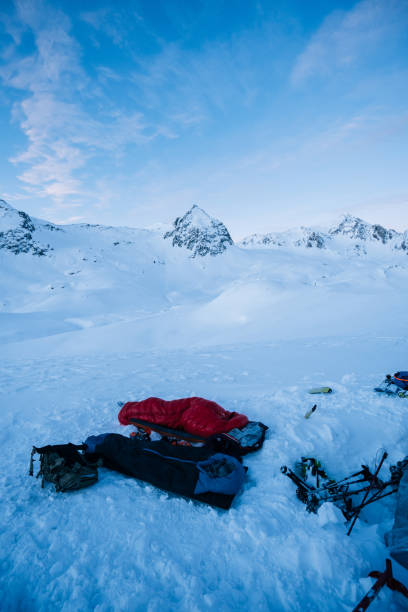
{"x": 200, "y": 233}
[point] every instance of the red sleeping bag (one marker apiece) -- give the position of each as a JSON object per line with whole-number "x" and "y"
{"x": 192, "y": 414}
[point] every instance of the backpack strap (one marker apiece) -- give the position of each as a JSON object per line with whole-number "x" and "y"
{"x": 32, "y": 461}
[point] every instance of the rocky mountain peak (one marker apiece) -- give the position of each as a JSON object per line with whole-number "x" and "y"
{"x": 200, "y": 233}
{"x": 357, "y": 229}
{"x": 16, "y": 231}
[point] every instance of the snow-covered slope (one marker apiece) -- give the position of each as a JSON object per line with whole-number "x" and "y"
{"x": 108, "y": 314}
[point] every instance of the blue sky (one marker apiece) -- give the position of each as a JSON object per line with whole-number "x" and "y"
{"x": 268, "y": 114}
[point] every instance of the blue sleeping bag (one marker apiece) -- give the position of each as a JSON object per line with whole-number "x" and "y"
{"x": 195, "y": 472}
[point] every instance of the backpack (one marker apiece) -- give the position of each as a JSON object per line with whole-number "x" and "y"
{"x": 397, "y": 384}
{"x": 400, "y": 379}
{"x": 64, "y": 467}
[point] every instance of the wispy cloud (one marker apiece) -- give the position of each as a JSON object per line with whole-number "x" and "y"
{"x": 217, "y": 77}
{"x": 47, "y": 76}
{"x": 62, "y": 132}
{"x": 114, "y": 23}
{"x": 346, "y": 37}
{"x": 69, "y": 117}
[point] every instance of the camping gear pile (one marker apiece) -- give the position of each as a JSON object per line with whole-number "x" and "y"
{"x": 198, "y": 456}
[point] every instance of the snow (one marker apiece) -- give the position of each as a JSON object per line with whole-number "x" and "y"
{"x": 95, "y": 322}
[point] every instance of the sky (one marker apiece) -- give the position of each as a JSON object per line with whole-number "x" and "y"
{"x": 268, "y": 114}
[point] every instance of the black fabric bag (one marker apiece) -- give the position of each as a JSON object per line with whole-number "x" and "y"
{"x": 247, "y": 439}
{"x": 185, "y": 470}
{"x": 64, "y": 467}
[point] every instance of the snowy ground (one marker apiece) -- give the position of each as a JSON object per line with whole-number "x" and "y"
{"x": 123, "y": 545}
{"x": 115, "y": 314}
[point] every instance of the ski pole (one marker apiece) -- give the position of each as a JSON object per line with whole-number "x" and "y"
{"x": 385, "y": 455}
{"x": 375, "y": 498}
{"x": 344, "y": 480}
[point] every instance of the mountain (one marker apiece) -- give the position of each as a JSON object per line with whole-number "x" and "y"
{"x": 200, "y": 233}
{"x": 58, "y": 279}
{"x": 301, "y": 237}
{"x": 62, "y": 278}
{"x": 17, "y": 229}
{"x": 350, "y": 234}
{"x": 357, "y": 229}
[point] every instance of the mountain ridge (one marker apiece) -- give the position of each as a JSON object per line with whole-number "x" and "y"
{"x": 201, "y": 234}
{"x": 349, "y": 227}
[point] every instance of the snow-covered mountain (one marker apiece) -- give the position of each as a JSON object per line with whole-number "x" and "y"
{"x": 350, "y": 234}
{"x": 200, "y": 233}
{"x": 81, "y": 277}
{"x": 17, "y": 229}
{"x": 357, "y": 229}
{"x": 195, "y": 231}
{"x": 301, "y": 237}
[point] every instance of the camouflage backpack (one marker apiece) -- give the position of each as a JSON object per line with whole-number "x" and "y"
{"x": 64, "y": 466}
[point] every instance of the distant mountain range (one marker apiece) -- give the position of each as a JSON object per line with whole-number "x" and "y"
{"x": 350, "y": 234}
{"x": 152, "y": 286}
{"x": 197, "y": 232}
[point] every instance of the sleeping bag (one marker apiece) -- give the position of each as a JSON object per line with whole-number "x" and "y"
{"x": 194, "y": 415}
{"x": 199, "y": 473}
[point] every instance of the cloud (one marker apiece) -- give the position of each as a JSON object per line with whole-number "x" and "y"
{"x": 116, "y": 24}
{"x": 188, "y": 87}
{"x": 72, "y": 116}
{"x": 57, "y": 114}
{"x": 346, "y": 37}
